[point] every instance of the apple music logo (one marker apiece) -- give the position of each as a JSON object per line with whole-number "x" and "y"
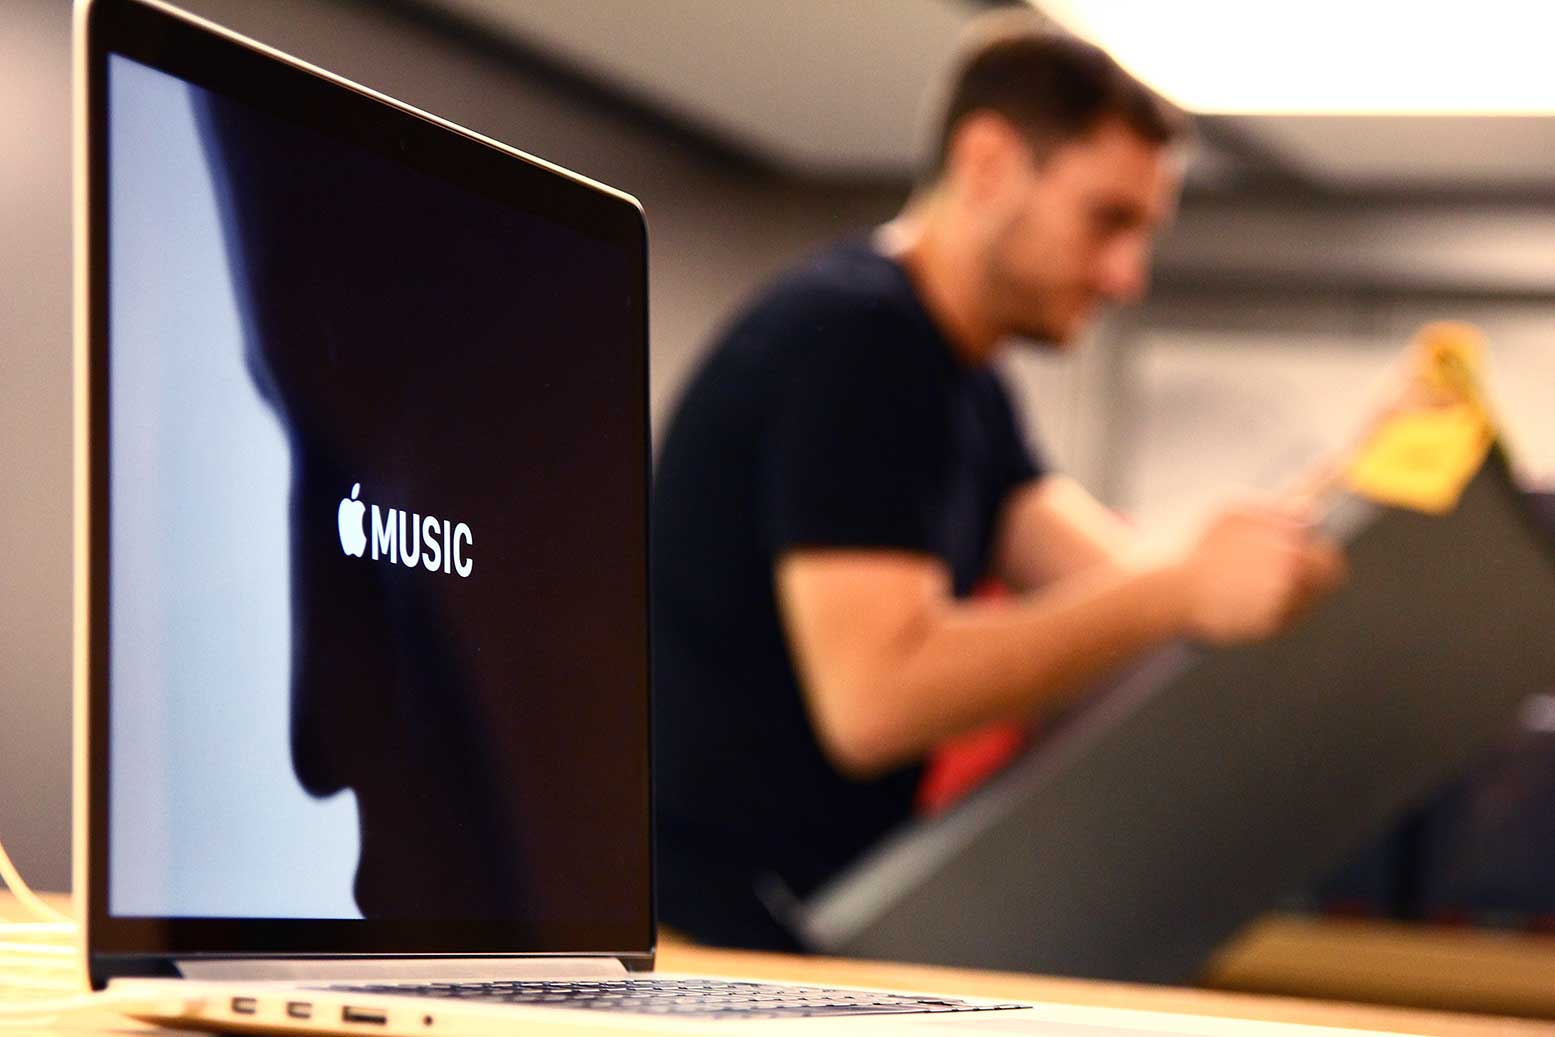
{"x": 432, "y": 542}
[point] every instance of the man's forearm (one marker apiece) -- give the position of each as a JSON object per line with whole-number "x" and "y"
{"x": 1053, "y": 529}
{"x": 969, "y": 663}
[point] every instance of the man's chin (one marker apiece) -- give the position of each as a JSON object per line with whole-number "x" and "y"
{"x": 1065, "y": 332}
{"x": 1052, "y": 336}
{"x": 1042, "y": 344}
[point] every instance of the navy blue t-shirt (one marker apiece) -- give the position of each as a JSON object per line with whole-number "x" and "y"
{"x": 832, "y": 413}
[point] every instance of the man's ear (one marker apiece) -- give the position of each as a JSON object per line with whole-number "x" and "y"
{"x": 986, "y": 152}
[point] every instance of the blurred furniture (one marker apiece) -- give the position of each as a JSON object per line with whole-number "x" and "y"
{"x": 1453, "y": 968}
{"x": 1205, "y": 786}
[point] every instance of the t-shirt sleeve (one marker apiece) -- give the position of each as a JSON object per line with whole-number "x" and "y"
{"x": 1016, "y": 460}
{"x": 857, "y": 449}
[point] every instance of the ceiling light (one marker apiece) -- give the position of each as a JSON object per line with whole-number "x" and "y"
{"x": 1491, "y": 57}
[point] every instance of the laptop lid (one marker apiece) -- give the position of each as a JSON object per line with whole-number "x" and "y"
{"x": 362, "y": 646}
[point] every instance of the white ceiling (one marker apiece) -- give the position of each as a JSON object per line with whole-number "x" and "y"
{"x": 834, "y": 87}
{"x": 1335, "y": 57}
{"x": 826, "y": 86}
{"x": 1426, "y": 152}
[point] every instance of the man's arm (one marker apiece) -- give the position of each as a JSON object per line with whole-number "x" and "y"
{"x": 891, "y": 664}
{"x": 1052, "y": 528}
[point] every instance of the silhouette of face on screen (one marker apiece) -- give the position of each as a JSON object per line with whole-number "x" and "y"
{"x": 461, "y": 627}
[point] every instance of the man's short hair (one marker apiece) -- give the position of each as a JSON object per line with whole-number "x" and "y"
{"x": 1051, "y": 86}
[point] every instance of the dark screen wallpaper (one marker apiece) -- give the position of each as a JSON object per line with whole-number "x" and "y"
{"x": 472, "y": 372}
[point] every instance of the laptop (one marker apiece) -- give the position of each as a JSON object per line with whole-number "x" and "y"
{"x": 362, "y": 650}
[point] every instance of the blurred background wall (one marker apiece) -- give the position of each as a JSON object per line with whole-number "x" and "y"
{"x": 1305, "y": 254}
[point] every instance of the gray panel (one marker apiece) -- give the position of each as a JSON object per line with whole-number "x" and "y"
{"x": 1206, "y": 785}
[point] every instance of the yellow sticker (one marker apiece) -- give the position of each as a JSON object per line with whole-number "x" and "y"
{"x": 1424, "y": 453}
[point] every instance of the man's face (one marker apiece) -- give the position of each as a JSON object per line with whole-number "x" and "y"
{"x": 1076, "y": 229}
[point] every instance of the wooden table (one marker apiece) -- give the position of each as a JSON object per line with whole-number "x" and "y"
{"x": 675, "y": 956}
{"x": 1016, "y": 986}
{"x": 1422, "y": 966}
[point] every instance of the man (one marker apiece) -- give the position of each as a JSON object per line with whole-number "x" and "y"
{"x": 845, "y": 467}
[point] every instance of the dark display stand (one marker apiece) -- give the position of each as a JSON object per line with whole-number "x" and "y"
{"x": 1206, "y": 785}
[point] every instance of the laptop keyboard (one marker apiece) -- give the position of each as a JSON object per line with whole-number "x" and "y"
{"x": 682, "y": 997}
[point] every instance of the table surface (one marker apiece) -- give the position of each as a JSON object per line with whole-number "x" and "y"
{"x": 1327, "y": 944}
{"x": 1459, "y": 968}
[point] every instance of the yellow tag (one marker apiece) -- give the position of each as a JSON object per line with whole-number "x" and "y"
{"x": 1423, "y": 455}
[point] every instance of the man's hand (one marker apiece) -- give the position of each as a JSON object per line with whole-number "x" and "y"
{"x": 1253, "y": 572}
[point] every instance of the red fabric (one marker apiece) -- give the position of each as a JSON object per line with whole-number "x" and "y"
{"x": 965, "y": 762}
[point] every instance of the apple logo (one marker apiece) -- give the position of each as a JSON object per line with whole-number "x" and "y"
{"x": 353, "y": 534}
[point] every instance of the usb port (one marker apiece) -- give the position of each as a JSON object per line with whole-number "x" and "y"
{"x": 364, "y": 1015}
{"x": 299, "y": 1009}
{"x": 245, "y": 1005}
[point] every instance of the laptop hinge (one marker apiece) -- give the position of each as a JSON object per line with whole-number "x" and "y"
{"x": 394, "y": 969}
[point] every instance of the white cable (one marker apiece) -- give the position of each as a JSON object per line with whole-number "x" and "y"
{"x": 59, "y": 1005}
{"x": 9, "y": 949}
{"x": 36, "y": 1013}
{"x": 38, "y": 958}
{"x": 53, "y": 966}
{"x": 24, "y": 893}
{"x": 38, "y": 930}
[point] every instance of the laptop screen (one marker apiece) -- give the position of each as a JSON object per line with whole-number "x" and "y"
{"x": 373, "y": 504}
